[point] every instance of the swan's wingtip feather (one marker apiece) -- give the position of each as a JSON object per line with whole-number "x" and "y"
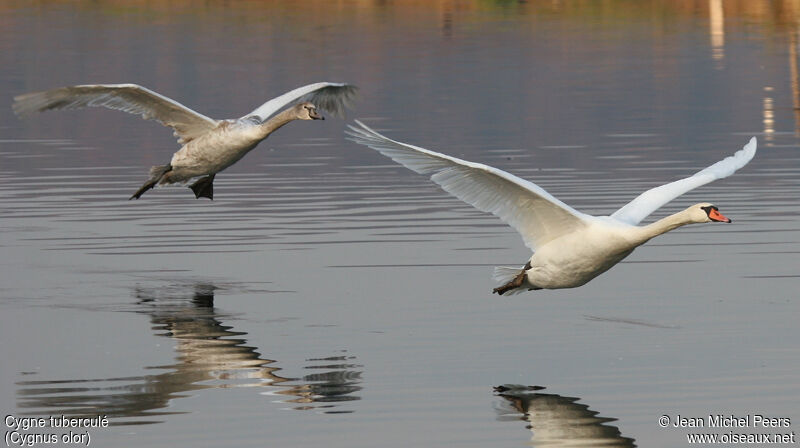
{"x": 364, "y": 134}
{"x": 27, "y": 104}
{"x": 333, "y": 97}
{"x": 752, "y": 144}
{"x": 359, "y": 133}
{"x": 363, "y": 127}
{"x": 748, "y": 151}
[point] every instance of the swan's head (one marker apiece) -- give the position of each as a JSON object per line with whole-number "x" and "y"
{"x": 307, "y": 111}
{"x": 705, "y": 212}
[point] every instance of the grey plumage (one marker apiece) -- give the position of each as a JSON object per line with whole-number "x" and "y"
{"x": 209, "y": 145}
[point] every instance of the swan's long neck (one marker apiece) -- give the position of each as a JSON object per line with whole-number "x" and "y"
{"x": 268, "y": 127}
{"x": 664, "y": 225}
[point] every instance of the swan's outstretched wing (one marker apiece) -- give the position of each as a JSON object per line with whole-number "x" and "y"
{"x": 330, "y": 96}
{"x": 649, "y": 201}
{"x": 130, "y": 98}
{"x": 534, "y": 213}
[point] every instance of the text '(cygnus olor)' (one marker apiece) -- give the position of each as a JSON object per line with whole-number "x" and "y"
{"x": 209, "y": 146}
{"x": 570, "y": 247}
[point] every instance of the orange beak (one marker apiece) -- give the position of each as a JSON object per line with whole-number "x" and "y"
{"x": 715, "y": 215}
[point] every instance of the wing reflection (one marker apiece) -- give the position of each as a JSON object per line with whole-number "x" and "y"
{"x": 209, "y": 355}
{"x": 333, "y": 383}
{"x": 556, "y": 420}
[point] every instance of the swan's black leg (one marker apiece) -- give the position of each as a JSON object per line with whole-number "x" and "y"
{"x": 204, "y": 187}
{"x": 156, "y": 174}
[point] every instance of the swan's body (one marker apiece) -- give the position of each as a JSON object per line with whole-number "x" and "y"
{"x": 570, "y": 247}
{"x": 573, "y": 259}
{"x": 209, "y": 146}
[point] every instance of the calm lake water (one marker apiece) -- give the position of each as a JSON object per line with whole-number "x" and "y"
{"x": 329, "y": 297}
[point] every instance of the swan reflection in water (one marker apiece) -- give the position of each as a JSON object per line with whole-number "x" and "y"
{"x": 556, "y": 420}
{"x": 209, "y": 355}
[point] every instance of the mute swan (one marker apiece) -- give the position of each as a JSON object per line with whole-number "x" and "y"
{"x": 209, "y": 146}
{"x": 570, "y": 247}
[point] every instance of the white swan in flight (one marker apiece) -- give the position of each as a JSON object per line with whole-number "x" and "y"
{"x": 209, "y": 145}
{"x": 570, "y": 247}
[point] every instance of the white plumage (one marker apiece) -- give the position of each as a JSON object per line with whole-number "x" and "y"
{"x": 570, "y": 247}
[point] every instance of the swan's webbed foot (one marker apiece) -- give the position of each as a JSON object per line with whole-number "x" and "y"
{"x": 515, "y": 283}
{"x": 204, "y": 187}
{"x": 156, "y": 174}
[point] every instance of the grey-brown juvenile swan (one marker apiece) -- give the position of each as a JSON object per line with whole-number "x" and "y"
{"x": 209, "y": 145}
{"x": 570, "y": 247}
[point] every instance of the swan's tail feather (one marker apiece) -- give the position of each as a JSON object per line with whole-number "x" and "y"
{"x": 156, "y": 174}
{"x": 504, "y": 274}
{"x": 159, "y": 170}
